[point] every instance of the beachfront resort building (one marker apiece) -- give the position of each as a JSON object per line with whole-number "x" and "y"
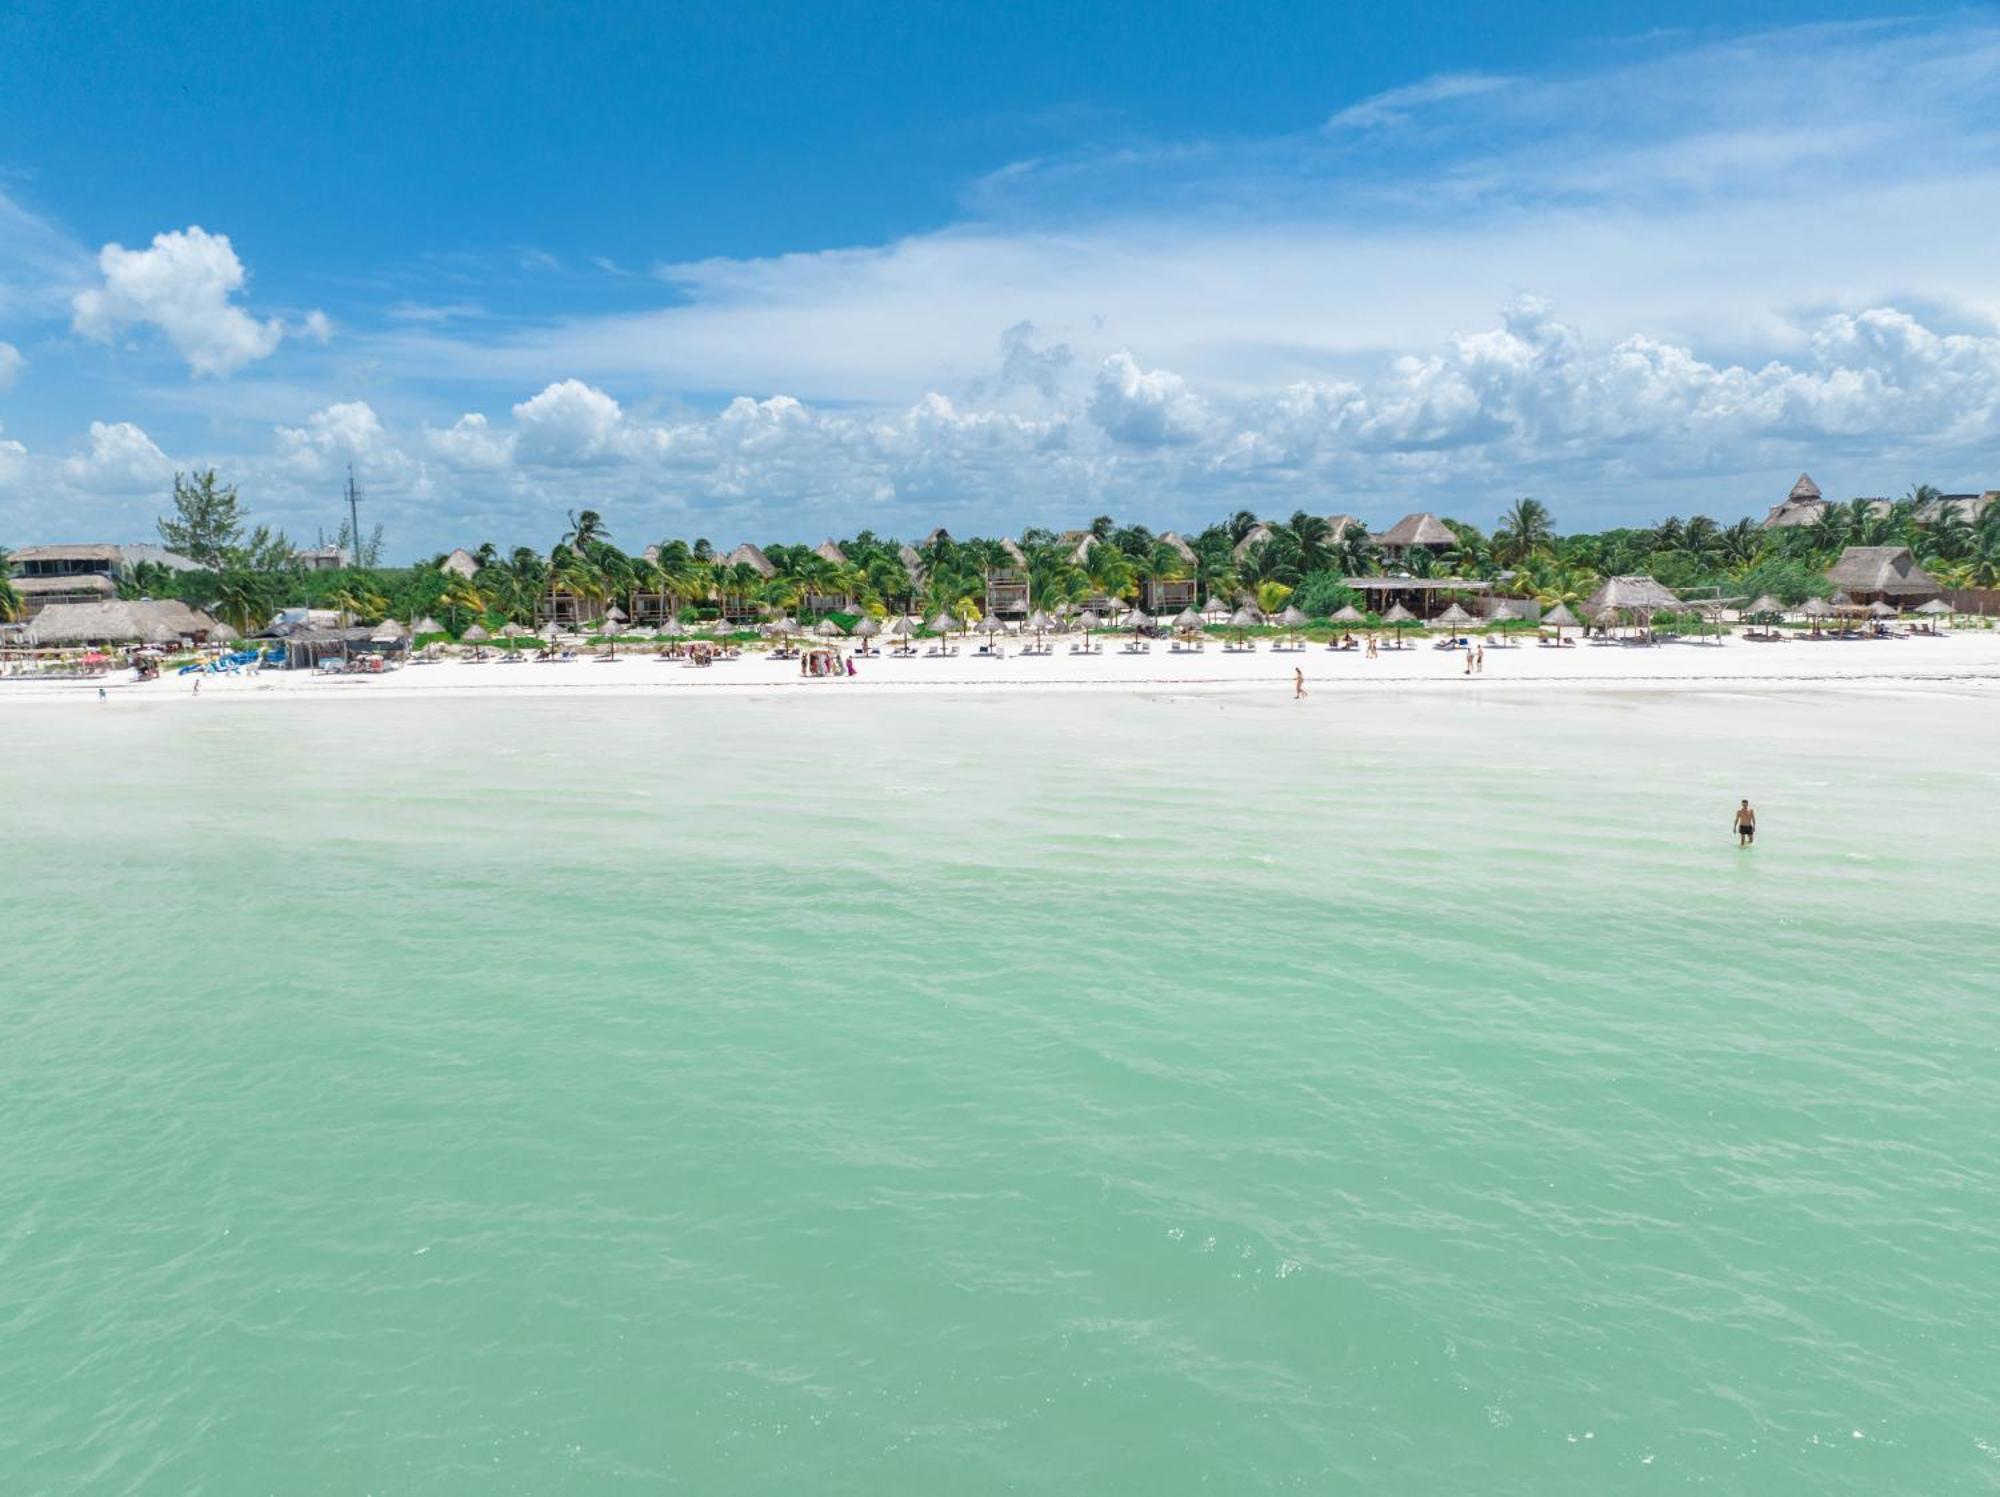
{"x": 1883, "y": 574}
{"x": 87, "y": 573}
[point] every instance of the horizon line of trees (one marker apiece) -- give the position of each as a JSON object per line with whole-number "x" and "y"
{"x": 248, "y": 572}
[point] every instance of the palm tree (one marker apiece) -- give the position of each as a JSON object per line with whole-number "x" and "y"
{"x": 1525, "y": 529}
{"x": 12, "y": 605}
{"x": 585, "y": 529}
{"x": 461, "y": 602}
{"x": 240, "y": 600}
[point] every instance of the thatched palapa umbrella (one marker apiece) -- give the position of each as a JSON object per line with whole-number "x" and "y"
{"x": 1561, "y": 618}
{"x": 1347, "y": 613}
{"x": 941, "y": 625}
{"x": 866, "y": 628}
{"x": 388, "y": 632}
{"x": 1291, "y": 618}
{"x": 1398, "y": 616}
{"x": 1454, "y": 617}
{"x": 1214, "y": 608}
{"x": 673, "y": 628}
{"x": 1188, "y": 621}
{"x": 828, "y": 629}
{"x": 476, "y": 635}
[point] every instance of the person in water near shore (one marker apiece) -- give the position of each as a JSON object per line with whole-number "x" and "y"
{"x": 1746, "y": 824}
{"x": 1298, "y": 684}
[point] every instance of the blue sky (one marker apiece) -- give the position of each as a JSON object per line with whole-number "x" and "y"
{"x": 781, "y": 271}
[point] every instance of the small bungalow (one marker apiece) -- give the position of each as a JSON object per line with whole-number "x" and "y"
{"x": 1007, "y": 592}
{"x": 753, "y": 557}
{"x": 1419, "y": 532}
{"x": 1883, "y": 574}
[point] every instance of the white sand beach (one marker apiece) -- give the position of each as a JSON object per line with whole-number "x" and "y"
{"x": 1970, "y": 658}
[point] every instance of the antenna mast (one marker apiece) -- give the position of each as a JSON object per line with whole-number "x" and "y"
{"x": 353, "y": 520}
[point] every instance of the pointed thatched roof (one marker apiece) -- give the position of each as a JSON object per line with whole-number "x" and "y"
{"x": 1187, "y": 618}
{"x": 1245, "y": 618}
{"x": 1421, "y": 529}
{"x": 1805, "y": 488}
{"x": 1014, "y": 553}
{"x": 1890, "y": 570}
{"x": 1934, "y": 605}
{"x": 1180, "y": 547}
{"x": 939, "y": 534}
{"x": 1455, "y": 617}
{"x": 1215, "y": 607}
{"x": 476, "y": 635}
{"x": 460, "y": 562}
{"x": 1255, "y": 536}
{"x": 388, "y": 632}
{"x": 829, "y": 550}
{"x": 912, "y": 562}
{"x": 1080, "y": 552}
{"x": 1087, "y": 619}
{"x": 1817, "y": 608}
{"x": 1765, "y": 604}
{"x": 1398, "y": 614}
{"x": 512, "y": 630}
{"x": 1347, "y": 613}
{"x": 1559, "y": 617}
{"x": 116, "y": 622}
{"x": 942, "y": 623}
{"x": 1338, "y": 526}
{"x": 1291, "y": 618}
{"x": 427, "y": 625}
{"x": 755, "y": 557}
{"x": 1636, "y": 594}
{"x": 866, "y": 628}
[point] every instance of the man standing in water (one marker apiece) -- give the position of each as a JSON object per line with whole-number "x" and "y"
{"x": 1746, "y": 824}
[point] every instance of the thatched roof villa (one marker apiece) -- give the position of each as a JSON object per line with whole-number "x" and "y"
{"x": 1422, "y": 531}
{"x": 1882, "y": 574}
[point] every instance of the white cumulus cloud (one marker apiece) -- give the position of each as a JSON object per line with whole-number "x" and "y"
{"x": 344, "y": 432}
{"x": 184, "y": 285}
{"x": 570, "y": 422}
{"x": 12, "y": 362}
{"x": 121, "y": 459}
{"x": 1145, "y": 407}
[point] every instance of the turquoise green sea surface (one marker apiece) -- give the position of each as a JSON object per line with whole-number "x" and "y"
{"x": 782, "y": 1093}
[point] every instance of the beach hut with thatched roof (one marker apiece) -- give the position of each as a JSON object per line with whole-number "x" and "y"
{"x": 829, "y": 550}
{"x": 117, "y": 622}
{"x": 1882, "y": 574}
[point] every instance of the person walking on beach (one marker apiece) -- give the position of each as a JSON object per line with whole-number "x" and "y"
{"x": 1479, "y": 658}
{"x": 1298, "y": 684}
{"x": 1746, "y": 824}
{"x": 1371, "y": 647}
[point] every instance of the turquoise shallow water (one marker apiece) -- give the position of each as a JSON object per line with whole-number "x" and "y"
{"x": 1107, "y": 1094}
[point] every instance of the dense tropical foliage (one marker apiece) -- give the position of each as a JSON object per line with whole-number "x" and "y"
{"x": 1300, "y": 561}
